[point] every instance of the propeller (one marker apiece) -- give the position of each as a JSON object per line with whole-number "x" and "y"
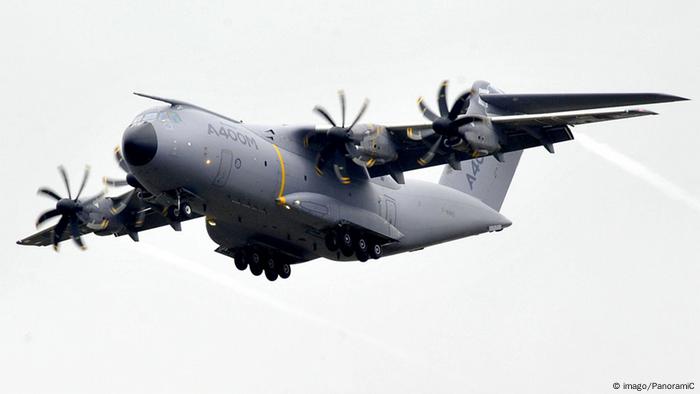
{"x": 334, "y": 140}
{"x": 129, "y": 180}
{"x": 446, "y": 125}
{"x": 67, "y": 208}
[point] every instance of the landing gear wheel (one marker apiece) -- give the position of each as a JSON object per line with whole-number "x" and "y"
{"x": 361, "y": 248}
{"x": 332, "y": 241}
{"x": 185, "y": 211}
{"x": 346, "y": 242}
{"x": 270, "y": 268}
{"x": 173, "y": 214}
{"x": 240, "y": 261}
{"x": 284, "y": 270}
{"x": 256, "y": 266}
{"x": 375, "y": 250}
{"x": 270, "y": 274}
{"x": 362, "y": 256}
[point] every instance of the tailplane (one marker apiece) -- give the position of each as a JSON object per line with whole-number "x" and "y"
{"x": 484, "y": 178}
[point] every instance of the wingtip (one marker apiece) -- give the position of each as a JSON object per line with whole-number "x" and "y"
{"x": 671, "y": 97}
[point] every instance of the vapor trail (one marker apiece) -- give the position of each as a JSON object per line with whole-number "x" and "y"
{"x": 639, "y": 170}
{"x": 272, "y": 302}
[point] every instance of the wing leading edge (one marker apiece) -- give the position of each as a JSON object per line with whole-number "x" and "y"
{"x": 543, "y": 103}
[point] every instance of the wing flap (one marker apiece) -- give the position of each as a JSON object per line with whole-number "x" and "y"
{"x": 543, "y": 103}
{"x": 563, "y": 119}
{"x": 45, "y": 236}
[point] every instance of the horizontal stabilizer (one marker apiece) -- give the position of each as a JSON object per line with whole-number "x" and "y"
{"x": 542, "y": 103}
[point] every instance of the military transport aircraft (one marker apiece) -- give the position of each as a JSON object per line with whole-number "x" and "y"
{"x": 276, "y": 195}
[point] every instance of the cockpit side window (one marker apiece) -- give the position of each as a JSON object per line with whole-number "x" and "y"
{"x": 174, "y": 117}
{"x": 137, "y": 119}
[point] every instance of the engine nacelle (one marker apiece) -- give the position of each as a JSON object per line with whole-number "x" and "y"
{"x": 371, "y": 145}
{"x": 481, "y": 136}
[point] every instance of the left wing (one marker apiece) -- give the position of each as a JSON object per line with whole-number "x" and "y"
{"x": 518, "y": 132}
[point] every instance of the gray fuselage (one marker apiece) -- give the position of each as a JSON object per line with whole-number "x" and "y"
{"x": 245, "y": 177}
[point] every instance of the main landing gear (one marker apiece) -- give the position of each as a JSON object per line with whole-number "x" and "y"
{"x": 261, "y": 261}
{"x": 353, "y": 242}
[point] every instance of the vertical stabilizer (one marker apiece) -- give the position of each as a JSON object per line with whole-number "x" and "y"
{"x": 484, "y": 178}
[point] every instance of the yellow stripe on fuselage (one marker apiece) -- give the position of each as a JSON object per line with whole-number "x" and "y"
{"x": 280, "y": 194}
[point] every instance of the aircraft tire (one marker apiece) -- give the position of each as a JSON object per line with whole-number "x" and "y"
{"x": 284, "y": 270}
{"x": 256, "y": 265}
{"x": 173, "y": 214}
{"x": 271, "y": 274}
{"x": 185, "y": 211}
{"x": 375, "y": 250}
{"x": 239, "y": 259}
{"x": 270, "y": 262}
{"x": 362, "y": 256}
{"x": 361, "y": 245}
{"x": 346, "y": 242}
{"x": 331, "y": 241}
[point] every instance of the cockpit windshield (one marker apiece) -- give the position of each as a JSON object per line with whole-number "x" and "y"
{"x": 166, "y": 117}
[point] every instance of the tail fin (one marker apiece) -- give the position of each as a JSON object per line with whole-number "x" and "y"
{"x": 484, "y": 178}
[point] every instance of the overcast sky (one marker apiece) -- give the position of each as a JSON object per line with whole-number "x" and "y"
{"x": 596, "y": 282}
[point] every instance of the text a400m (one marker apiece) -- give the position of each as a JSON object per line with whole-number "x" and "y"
{"x": 233, "y": 135}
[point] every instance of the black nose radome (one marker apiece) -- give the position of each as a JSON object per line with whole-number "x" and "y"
{"x": 139, "y": 144}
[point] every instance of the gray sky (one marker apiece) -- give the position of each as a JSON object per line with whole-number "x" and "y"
{"x": 596, "y": 281}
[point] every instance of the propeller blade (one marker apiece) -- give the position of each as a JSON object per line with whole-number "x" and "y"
{"x": 120, "y": 159}
{"x": 459, "y": 105}
{"x": 123, "y": 203}
{"x": 465, "y": 120}
{"x": 58, "y": 231}
{"x": 65, "y": 180}
{"x": 430, "y": 154}
{"x": 322, "y": 111}
{"x": 341, "y": 95}
{"x": 427, "y": 112}
{"x": 49, "y": 192}
{"x": 114, "y": 182}
{"x": 140, "y": 218}
{"x": 86, "y": 173}
{"x": 452, "y": 160}
{"x": 93, "y": 198}
{"x": 359, "y": 114}
{"x": 323, "y": 156}
{"x": 442, "y": 100}
{"x": 75, "y": 232}
{"x": 341, "y": 171}
{"x": 46, "y": 216}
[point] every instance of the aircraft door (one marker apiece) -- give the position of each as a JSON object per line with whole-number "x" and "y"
{"x": 224, "y": 168}
{"x": 390, "y": 210}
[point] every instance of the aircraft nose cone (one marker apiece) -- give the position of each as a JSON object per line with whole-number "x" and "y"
{"x": 139, "y": 144}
